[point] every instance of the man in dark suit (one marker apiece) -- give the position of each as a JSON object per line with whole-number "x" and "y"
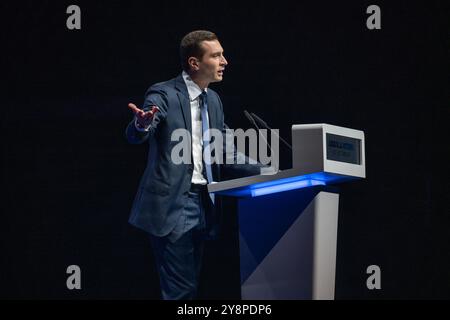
{"x": 172, "y": 203}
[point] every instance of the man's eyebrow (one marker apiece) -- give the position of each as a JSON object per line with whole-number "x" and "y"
{"x": 217, "y": 52}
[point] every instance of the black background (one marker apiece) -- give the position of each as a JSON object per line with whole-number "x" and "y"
{"x": 69, "y": 177}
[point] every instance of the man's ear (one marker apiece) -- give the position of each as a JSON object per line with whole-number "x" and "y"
{"x": 193, "y": 63}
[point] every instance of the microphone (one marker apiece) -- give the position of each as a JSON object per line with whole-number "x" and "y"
{"x": 264, "y": 124}
{"x": 274, "y": 166}
{"x": 250, "y": 118}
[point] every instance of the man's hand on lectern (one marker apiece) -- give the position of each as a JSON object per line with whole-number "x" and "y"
{"x": 144, "y": 118}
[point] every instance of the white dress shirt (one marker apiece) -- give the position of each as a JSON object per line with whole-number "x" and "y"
{"x": 196, "y": 119}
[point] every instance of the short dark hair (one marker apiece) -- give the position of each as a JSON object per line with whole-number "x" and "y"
{"x": 190, "y": 46}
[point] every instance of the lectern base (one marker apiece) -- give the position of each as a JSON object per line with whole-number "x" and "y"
{"x": 288, "y": 244}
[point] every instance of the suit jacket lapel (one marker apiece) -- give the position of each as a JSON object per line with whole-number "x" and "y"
{"x": 183, "y": 97}
{"x": 211, "y": 112}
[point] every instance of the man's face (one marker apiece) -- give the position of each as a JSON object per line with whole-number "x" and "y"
{"x": 213, "y": 62}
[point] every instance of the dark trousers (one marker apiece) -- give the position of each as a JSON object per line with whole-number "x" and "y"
{"x": 179, "y": 255}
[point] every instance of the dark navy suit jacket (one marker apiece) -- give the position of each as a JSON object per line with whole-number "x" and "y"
{"x": 164, "y": 187}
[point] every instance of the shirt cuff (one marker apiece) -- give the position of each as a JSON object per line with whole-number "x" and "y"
{"x": 138, "y": 128}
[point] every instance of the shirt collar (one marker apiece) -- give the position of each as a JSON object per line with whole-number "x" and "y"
{"x": 193, "y": 89}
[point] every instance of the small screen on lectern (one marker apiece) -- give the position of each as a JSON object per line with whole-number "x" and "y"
{"x": 343, "y": 149}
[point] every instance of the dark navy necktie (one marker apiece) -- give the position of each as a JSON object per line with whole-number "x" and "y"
{"x": 206, "y": 139}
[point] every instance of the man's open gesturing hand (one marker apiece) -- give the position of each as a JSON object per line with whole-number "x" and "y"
{"x": 144, "y": 118}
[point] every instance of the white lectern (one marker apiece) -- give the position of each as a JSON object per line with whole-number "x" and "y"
{"x": 288, "y": 220}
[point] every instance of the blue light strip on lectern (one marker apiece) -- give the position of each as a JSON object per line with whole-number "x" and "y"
{"x": 286, "y": 187}
{"x": 286, "y": 184}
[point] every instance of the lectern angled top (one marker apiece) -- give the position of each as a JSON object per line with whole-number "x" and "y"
{"x": 321, "y": 154}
